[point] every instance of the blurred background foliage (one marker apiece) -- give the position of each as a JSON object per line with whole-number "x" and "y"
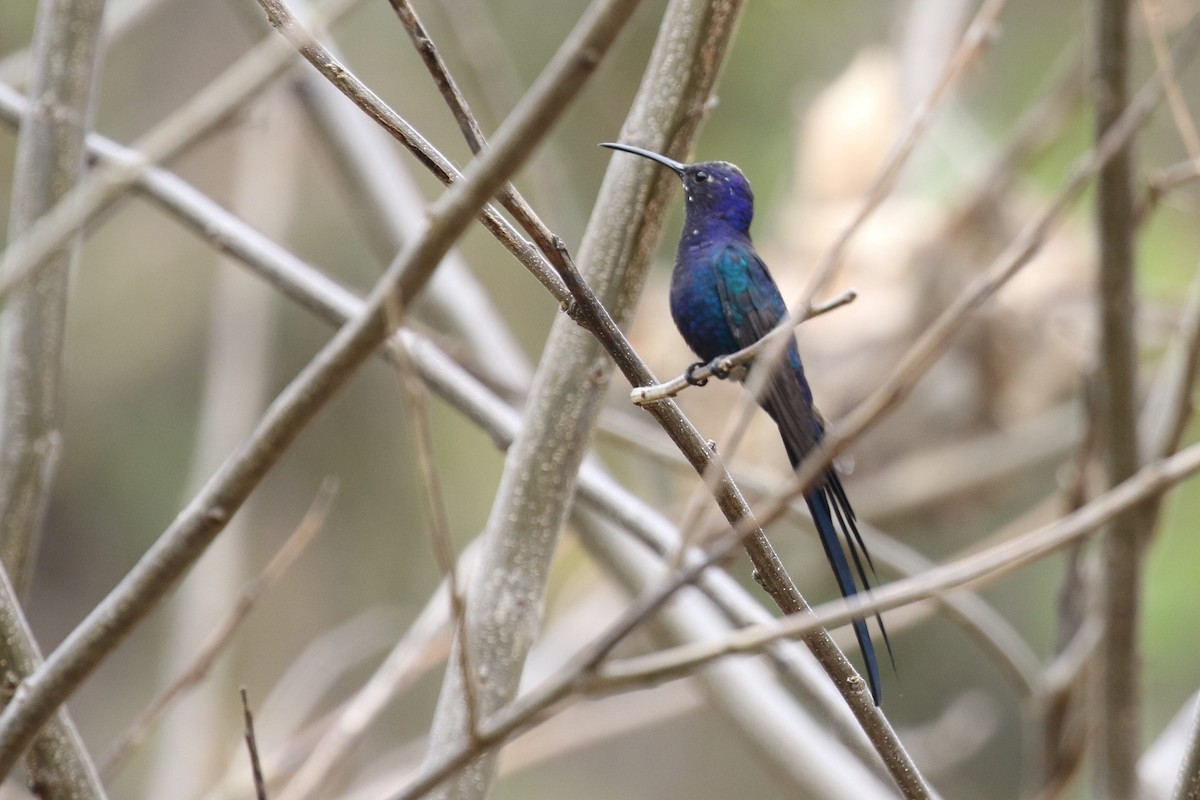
{"x": 813, "y": 96}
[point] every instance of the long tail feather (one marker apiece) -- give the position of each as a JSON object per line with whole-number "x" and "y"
{"x": 789, "y": 403}
{"x": 820, "y": 507}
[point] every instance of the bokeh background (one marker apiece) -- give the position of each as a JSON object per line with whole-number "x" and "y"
{"x": 813, "y": 96}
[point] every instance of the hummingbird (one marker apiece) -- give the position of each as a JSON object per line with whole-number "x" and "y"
{"x": 723, "y": 299}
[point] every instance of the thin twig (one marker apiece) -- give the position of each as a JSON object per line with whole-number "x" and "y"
{"x": 1169, "y": 406}
{"x": 1184, "y": 124}
{"x": 389, "y": 208}
{"x": 417, "y": 396}
{"x": 482, "y": 50}
{"x": 220, "y": 637}
{"x": 1165, "y": 181}
{"x": 979, "y": 33}
{"x": 467, "y": 123}
{"x": 340, "y": 76}
{"x": 441, "y": 76}
{"x": 510, "y": 198}
{"x": 415, "y": 390}
{"x": 260, "y": 785}
{"x": 645, "y": 395}
{"x": 183, "y": 542}
{"x": 1035, "y": 130}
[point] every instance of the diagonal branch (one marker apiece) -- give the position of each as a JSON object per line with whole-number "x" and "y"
{"x": 441, "y": 75}
{"x": 49, "y": 162}
{"x": 200, "y": 116}
{"x": 196, "y": 526}
{"x": 978, "y": 568}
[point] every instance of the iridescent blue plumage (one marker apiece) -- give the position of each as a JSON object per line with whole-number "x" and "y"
{"x": 723, "y": 299}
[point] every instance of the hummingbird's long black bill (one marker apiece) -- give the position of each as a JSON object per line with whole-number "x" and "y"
{"x": 670, "y": 163}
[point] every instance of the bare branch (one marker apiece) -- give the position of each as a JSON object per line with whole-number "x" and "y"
{"x": 982, "y": 567}
{"x": 200, "y": 116}
{"x": 1184, "y": 124}
{"x": 196, "y": 526}
{"x": 1118, "y": 709}
{"x": 645, "y": 395}
{"x": 48, "y": 164}
{"x": 260, "y": 786}
{"x": 417, "y": 405}
{"x": 441, "y": 76}
{"x": 354, "y": 89}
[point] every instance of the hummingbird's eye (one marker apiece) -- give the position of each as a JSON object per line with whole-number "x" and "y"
{"x": 701, "y": 177}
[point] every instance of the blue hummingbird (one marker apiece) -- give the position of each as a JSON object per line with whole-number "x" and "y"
{"x": 723, "y": 299}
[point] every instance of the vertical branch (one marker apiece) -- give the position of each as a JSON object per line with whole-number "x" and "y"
{"x": 416, "y": 397}
{"x": 1119, "y": 707}
{"x": 505, "y": 594}
{"x": 48, "y": 163}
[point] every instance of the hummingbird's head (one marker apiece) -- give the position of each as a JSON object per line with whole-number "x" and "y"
{"x": 715, "y": 191}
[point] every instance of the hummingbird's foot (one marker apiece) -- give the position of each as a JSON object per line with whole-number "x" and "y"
{"x": 718, "y": 372}
{"x": 689, "y": 374}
